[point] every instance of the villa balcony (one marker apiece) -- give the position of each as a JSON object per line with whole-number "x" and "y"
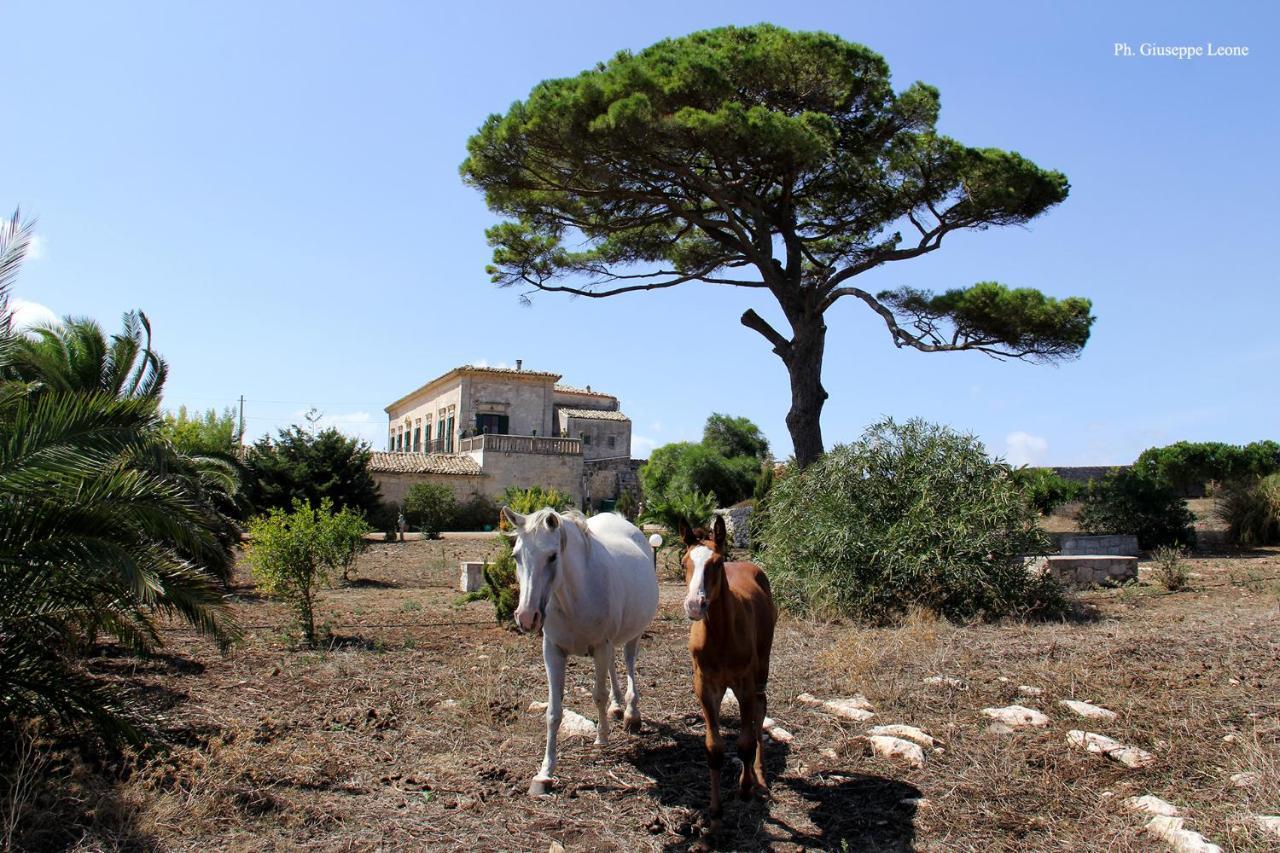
{"x": 539, "y": 444}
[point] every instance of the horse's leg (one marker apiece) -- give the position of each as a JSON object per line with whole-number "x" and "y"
{"x": 748, "y": 736}
{"x": 709, "y": 698}
{"x": 629, "y": 653}
{"x": 762, "y": 711}
{"x": 554, "y": 659}
{"x": 615, "y": 692}
{"x": 604, "y": 666}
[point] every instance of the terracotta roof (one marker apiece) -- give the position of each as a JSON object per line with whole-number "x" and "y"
{"x": 503, "y": 370}
{"x": 569, "y": 389}
{"x": 595, "y": 414}
{"x": 423, "y": 463}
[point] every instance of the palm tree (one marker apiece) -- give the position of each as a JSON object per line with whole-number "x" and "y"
{"x": 103, "y": 528}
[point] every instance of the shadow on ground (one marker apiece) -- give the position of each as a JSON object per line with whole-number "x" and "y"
{"x": 848, "y": 812}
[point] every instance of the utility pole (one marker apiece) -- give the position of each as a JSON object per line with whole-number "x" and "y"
{"x": 240, "y": 437}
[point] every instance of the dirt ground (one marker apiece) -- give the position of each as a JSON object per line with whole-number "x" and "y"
{"x": 410, "y": 729}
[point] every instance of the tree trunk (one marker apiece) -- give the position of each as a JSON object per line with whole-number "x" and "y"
{"x": 804, "y": 365}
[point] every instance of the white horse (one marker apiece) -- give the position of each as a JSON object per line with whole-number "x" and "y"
{"x": 591, "y": 585}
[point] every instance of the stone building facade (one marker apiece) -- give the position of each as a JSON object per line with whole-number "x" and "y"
{"x": 480, "y": 430}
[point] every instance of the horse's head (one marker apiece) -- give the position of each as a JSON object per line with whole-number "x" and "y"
{"x": 703, "y": 567}
{"x": 539, "y": 537}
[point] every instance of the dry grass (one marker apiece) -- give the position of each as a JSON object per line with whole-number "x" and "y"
{"x": 417, "y": 734}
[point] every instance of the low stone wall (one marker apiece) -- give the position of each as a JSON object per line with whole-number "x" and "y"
{"x": 1087, "y": 570}
{"x": 1113, "y": 546}
{"x": 737, "y": 522}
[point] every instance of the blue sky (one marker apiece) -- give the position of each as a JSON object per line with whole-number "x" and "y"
{"x": 276, "y": 185}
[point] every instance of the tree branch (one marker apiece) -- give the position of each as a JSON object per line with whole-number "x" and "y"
{"x": 752, "y": 320}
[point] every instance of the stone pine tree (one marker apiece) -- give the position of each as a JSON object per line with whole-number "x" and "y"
{"x": 762, "y": 158}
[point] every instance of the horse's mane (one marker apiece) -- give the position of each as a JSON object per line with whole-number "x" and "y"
{"x": 572, "y": 516}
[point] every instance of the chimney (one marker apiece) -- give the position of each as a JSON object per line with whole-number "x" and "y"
{"x": 519, "y": 364}
{"x": 588, "y": 389}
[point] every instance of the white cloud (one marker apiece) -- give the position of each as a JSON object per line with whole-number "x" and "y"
{"x": 642, "y": 446}
{"x": 27, "y": 314}
{"x": 1022, "y": 448}
{"x": 35, "y": 248}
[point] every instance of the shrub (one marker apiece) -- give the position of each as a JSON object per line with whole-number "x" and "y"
{"x": 293, "y": 553}
{"x": 1129, "y": 501}
{"x": 1170, "y": 569}
{"x": 688, "y": 508}
{"x": 1251, "y": 510}
{"x": 430, "y": 507}
{"x": 534, "y": 498}
{"x": 500, "y": 584}
{"x": 912, "y": 515}
{"x": 627, "y": 505}
{"x": 688, "y": 467}
{"x": 1045, "y": 489}
{"x": 479, "y": 512}
{"x": 312, "y": 467}
{"x": 1185, "y": 465}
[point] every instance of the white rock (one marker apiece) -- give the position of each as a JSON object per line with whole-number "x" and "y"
{"x": 1129, "y": 756}
{"x": 910, "y": 733}
{"x": 574, "y": 724}
{"x": 828, "y": 753}
{"x": 947, "y": 681}
{"x": 776, "y": 732}
{"x": 854, "y": 708}
{"x": 1246, "y": 780}
{"x": 1170, "y": 831}
{"x": 1232, "y": 738}
{"x": 916, "y": 802}
{"x": 1269, "y": 824}
{"x": 1017, "y": 716}
{"x": 897, "y": 749}
{"x": 1028, "y": 690}
{"x": 1004, "y": 679}
{"x": 1151, "y": 805}
{"x": 1084, "y": 709}
{"x": 537, "y": 707}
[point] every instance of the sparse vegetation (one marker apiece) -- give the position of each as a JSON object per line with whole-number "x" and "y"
{"x": 910, "y": 516}
{"x": 1045, "y": 489}
{"x": 1170, "y": 570}
{"x": 430, "y": 508}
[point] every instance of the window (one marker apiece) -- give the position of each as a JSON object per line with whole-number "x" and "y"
{"x": 448, "y": 435}
{"x": 586, "y": 439}
{"x": 426, "y": 435}
{"x": 613, "y": 442}
{"x": 417, "y": 439}
{"x": 399, "y": 442}
{"x": 496, "y": 424}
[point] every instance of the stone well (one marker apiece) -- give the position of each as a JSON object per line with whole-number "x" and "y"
{"x": 1086, "y": 569}
{"x": 471, "y": 576}
{"x": 1074, "y": 545}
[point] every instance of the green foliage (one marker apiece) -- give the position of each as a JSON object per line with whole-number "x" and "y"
{"x": 1171, "y": 570}
{"x": 104, "y": 528}
{"x": 1251, "y": 510}
{"x": 479, "y": 512}
{"x": 534, "y": 498}
{"x": 628, "y": 506}
{"x": 430, "y": 507}
{"x": 1187, "y": 464}
{"x": 1128, "y": 501}
{"x": 730, "y": 437}
{"x": 500, "y": 584}
{"x": 1045, "y": 489}
{"x": 688, "y": 508}
{"x": 1022, "y": 320}
{"x": 911, "y": 515}
{"x": 300, "y": 465}
{"x": 293, "y": 554}
{"x": 763, "y": 483}
{"x": 685, "y": 467}
{"x": 208, "y": 433}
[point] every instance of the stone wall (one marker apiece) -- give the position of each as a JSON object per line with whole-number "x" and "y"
{"x": 1116, "y": 546}
{"x": 608, "y": 478}
{"x": 737, "y": 522}
{"x": 523, "y": 470}
{"x": 395, "y": 485}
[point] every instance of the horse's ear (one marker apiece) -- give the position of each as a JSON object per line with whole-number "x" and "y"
{"x": 515, "y": 519}
{"x": 687, "y": 534}
{"x": 719, "y": 534}
{"x": 553, "y": 521}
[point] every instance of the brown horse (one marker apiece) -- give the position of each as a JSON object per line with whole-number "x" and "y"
{"x": 730, "y": 639}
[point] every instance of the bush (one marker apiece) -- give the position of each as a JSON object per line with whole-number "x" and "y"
{"x": 500, "y": 584}
{"x": 1045, "y": 489}
{"x": 692, "y": 509}
{"x": 293, "y": 553}
{"x": 1129, "y": 501}
{"x": 301, "y": 465}
{"x": 534, "y": 498}
{"x": 1171, "y": 570}
{"x": 1186, "y": 465}
{"x": 688, "y": 467}
{"x": 430, "y": 507}
{"x": 479, "y": 512}
{"x": 1251, "y": 510}
{"x": 910, "y": 516}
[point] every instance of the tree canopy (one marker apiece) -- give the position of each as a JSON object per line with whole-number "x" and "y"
{"x": 761, "y": 158}
{"x": 730, "y": 436}
{"x": 300, "y": 465}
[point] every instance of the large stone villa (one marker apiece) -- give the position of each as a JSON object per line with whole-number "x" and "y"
{"x": 479, "y": 430}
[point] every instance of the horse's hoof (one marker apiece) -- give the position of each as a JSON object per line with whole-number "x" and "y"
{"x": 632, "y": 725}
{"x": 540, "y": 788}
{"x": 615, "y": 712}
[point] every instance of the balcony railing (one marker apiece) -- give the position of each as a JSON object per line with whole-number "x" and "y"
{"x": 545, "y": 445}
